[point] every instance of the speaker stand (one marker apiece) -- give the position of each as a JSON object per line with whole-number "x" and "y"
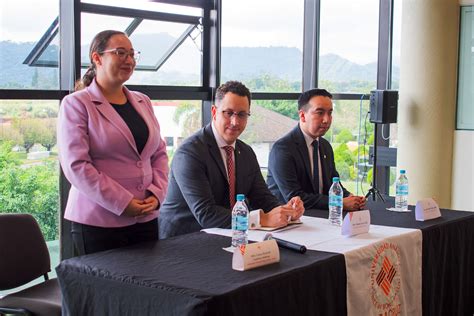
{"x": 373, "y": 190}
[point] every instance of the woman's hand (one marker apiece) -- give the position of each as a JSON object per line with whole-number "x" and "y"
{"x": 141, "y": 207}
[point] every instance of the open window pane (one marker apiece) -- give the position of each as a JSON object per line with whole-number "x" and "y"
{"x": 170, "y": 52}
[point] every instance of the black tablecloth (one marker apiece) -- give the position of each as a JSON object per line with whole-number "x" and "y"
{"x": 192, "y": 275}
{"x": 447, "y": 256}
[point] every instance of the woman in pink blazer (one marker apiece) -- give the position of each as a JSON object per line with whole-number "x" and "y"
{"x": 112, "y": 152}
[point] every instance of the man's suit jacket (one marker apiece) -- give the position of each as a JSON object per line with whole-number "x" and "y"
{"x": 198, "y": 192}
{"x": 289, "y": 170}
{"x": 99, "y": 157}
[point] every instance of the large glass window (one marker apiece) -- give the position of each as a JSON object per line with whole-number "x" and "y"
{"x": 262, "y": 46}
{"x": 396, "y": 47}
{"x": 351, "y": 136}
{"x": 178, "y": 120}
{"x": 348, "y": 45}
{"x": 21, "y": 30}
{"x": 269, "y": 121}
{"x": 29, "y": 172}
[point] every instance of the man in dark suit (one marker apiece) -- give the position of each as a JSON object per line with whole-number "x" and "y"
{"x": 301, "y": 163}
{"x": 212, "y": 166}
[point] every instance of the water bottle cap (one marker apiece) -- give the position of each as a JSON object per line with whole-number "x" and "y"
{"x": 240, "y": 197}
{"x": 335, "y": 179}
{"x": 402, "y": 171}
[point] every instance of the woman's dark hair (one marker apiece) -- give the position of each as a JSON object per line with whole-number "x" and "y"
{"x": 99, "y": 44}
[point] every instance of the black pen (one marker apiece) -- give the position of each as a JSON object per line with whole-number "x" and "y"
{"x": 290, "y": 245}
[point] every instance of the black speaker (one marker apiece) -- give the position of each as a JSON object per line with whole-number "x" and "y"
{"x": 383, "y": 106}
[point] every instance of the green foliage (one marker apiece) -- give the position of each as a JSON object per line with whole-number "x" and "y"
{"x": 188, "y": 117}
{"x": 344, "y": 136}
{"x": 271, "y": 83}
{"x": 7, "y": 157}
{"x": 8, "y": 133}
{"x": 284, "y": 107}
{"x": 370, "y": 175}
{"x": 345, "y": 160}
{"x": 37, "y": 131}
{"x": 32, "y": 190}
{"x": 23, "y": 109}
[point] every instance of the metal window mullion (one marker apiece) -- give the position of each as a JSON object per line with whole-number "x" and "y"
{"x": 135, "y": 13}
{"x": 384, "y": 59}
{"x": 312, "y": 11}
{"x": 211, "y": 54}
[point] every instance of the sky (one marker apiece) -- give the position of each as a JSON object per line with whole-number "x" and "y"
{"x": 348, "y": 28}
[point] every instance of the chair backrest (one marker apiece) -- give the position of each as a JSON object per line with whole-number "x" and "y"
{"x": 24, "y": 255}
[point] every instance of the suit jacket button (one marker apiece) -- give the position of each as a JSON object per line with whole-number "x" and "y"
{"x": 140, "y": 187}
{"x": 139, "y": 164}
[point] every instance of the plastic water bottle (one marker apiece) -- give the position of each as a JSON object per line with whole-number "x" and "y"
{"x": 240, "y": 222}
{"x": 335, "y": 202}
{"x": 401, "y": 188}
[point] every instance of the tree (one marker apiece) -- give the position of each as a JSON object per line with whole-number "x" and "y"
{"x": 188, "y": 117}
{"x": 284, "y": 107}
{"x": 344, "y": 136}
{"x": 37, "y": 131}
{"x": 8, "y": 133}
{"x": 32, "y": 190}
{"x": 47, "y": 135}
{"x": 344, "y": 160}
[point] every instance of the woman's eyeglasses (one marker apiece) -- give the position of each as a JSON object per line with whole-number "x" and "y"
{"x": 122, "y": 53}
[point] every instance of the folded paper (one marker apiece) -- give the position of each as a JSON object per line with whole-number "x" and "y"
{"x": 255, "y": 255}
{"x": 356, "y": 223}
{"x": 426, "y": 209}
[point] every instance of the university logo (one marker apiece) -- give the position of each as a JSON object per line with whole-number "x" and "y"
{"x": 385, "y": 277}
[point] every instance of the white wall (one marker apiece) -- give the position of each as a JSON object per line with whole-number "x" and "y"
{"x": 463, "y": 171}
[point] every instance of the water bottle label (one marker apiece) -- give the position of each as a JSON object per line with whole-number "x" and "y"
{"x": 402, "y": 189}
{"x": 241, "y": 223}
{"x": 335, "y": 200}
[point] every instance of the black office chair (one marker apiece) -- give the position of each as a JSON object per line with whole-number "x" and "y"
{"x": 24, "y": 257}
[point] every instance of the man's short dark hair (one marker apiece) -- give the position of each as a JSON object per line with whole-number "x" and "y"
{"x": 304, "y": 98}
{"x": 235, "y": 87}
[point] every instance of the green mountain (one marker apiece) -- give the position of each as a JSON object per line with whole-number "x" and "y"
{"x": 183, "y": 67}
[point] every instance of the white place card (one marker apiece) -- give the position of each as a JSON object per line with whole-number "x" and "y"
{"x": 426, "y": 209}
{"x": 356, "y": 223}
{"x": 255, "y": 255}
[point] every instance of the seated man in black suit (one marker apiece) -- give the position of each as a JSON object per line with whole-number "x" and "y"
{"x": 212, "y": 166}
{"x": 301, "y": 163}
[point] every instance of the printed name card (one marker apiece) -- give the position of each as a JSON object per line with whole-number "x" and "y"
{"x": 426, "y": 209}
{"x": 255, "y": 255}
{"x": 356, "y": 223}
